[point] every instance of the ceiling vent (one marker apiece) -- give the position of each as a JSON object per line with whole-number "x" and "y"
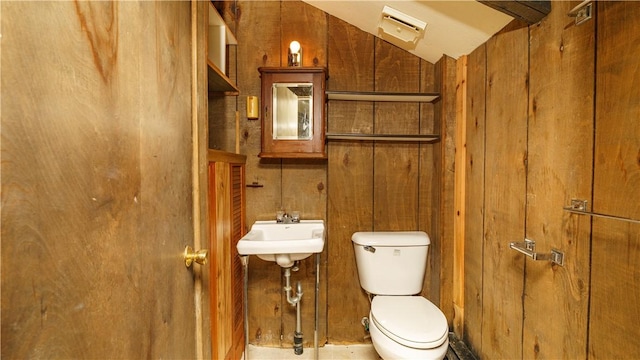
{"x": 400, "y": 29}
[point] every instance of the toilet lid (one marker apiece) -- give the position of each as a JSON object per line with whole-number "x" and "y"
{"x": 410, "y": 320}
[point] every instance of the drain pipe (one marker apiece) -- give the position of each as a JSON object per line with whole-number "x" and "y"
{"x": 294, "y": 301}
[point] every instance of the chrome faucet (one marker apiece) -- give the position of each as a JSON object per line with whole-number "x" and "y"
{"x": 283, "y": 217}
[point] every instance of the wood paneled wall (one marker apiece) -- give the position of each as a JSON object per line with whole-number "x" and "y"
{"x": 363, "y": 186}
{"x": 541, "y": 130}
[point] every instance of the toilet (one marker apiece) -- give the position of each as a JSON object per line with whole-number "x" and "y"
{"x": 391, "y": 269}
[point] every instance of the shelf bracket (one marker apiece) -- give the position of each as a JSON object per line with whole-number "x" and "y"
{"x": 528, "y": 247}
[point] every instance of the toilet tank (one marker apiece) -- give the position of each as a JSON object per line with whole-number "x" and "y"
{"x": 391, "y": 263}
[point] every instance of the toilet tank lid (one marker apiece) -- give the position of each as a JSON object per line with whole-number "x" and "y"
{"x": 391, "y": 238}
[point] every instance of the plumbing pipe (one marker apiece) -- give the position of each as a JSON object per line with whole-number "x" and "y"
{"x": 297, "y": 337}
{"x": 287, "y": 288}
{"x": 295, "y": 301}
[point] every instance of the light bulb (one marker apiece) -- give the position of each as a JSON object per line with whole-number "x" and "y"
{"x": 294, "y": 46}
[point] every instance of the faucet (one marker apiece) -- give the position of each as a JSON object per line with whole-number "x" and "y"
{"x": 283, "y": 217}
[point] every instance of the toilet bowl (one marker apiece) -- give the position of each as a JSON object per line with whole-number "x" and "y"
{"x": 402, "y": 324}
{"x": 408, "y": 327}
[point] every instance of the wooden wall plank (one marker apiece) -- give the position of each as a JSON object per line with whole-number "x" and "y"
{"x": 505, "y": 171}
{"x": 259, "y": 45}
{"x": 350, "y": 184}
{"x": 460, "y": 195}
{"x": 474, "y": 217}
{"x": 429, "y": 180}
{"x": 304, "y": 181}
{"x": 559, "y": 58}
{"x": 395, "y": 165}
{"x": 307, "y": 25}
{"x": 445, "y": 155}
{"x": 615, "y": 290}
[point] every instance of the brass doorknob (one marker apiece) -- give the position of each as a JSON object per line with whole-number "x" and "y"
{"x": 191, "y": 256}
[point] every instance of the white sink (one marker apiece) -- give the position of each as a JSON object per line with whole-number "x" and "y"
{"x": 283, "y": 243}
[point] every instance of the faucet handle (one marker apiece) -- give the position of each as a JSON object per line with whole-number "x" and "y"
{"x": 295, "y": 216}
{"x": 280, "y": 216}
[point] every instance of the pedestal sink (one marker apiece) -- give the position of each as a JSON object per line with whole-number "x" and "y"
{"x": 283, "y": 243}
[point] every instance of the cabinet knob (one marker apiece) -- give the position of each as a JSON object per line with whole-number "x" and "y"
{"x": 191, "y": 256}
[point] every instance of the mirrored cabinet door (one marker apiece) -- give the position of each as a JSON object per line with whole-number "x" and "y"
{"x": 293, "y": 112}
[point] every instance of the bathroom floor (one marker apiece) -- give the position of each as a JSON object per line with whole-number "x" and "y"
{"x": 327, "y": 352}
{"x": 457, "y": 351}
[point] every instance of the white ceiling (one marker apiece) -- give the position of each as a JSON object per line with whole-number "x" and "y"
{"x": 454, "y": 27}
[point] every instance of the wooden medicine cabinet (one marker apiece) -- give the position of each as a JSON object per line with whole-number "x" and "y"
{"x": 293, "y": 102}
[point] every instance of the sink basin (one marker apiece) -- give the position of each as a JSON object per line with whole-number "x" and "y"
{"x": 283, "y": 243}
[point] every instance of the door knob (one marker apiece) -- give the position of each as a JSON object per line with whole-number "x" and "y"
{"x": 191, "y": 256}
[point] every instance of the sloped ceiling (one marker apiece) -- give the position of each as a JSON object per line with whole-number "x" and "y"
{"x": 454, "y": 28}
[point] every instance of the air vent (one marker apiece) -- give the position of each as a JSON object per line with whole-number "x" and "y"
{"x": 400, "y": 29}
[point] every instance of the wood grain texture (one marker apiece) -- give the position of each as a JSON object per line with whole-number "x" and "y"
{"x": 96, "y": 180}
{"x": 220, "y": 270}
{"x": 200, "y": 170}
{"x": 559, "y": 58}
{"x": 259, "y": 45}
{"x": 308, "y": 25}
{"x": 615, "y": 290}
{"x": 429, "y": 180}
{"x": 446, "y": 112}
{"x": 396, "y": 166}
{"x": 304, "y": 181}
{"x": 474, "y": 199}
{"x": 307, "y": 177}
{"x": 505, "y": 193}
{"x": 350, "y": 183}
{"x": 459, "y": 195}
{"x": 226, "y": 227}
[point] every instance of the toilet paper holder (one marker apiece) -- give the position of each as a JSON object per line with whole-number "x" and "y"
{"x": 528, "y": 247}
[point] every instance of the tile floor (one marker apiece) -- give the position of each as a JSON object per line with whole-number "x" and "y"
{"x": 457, "y": 351}
{"x": 327, "y": 352}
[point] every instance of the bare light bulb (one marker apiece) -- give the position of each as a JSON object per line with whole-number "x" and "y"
{"x": 295, "y": 54}
{"x": 294, "y": 46}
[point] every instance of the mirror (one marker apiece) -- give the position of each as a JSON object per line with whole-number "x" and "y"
{"x": 292, "y": 111}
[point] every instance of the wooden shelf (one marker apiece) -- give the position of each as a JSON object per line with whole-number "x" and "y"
{"x": 218, "y": 38}
{"x": 382, "y": 96}
{"x": 291, "y": 155}
{"x": 219, "y": 82}
{"x": 428, "y": 138}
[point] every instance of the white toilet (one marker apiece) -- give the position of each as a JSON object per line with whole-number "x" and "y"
{"x": 391, "y": 268}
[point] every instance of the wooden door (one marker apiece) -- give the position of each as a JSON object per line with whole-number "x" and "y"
{"x": 96, "y": 180}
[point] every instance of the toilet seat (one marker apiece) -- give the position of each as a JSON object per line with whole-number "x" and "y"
{"x": 410, "y": 320}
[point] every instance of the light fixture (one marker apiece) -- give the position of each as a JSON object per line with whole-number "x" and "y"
{"x": 400, "y": 29}
{"x": 295, "y": 54}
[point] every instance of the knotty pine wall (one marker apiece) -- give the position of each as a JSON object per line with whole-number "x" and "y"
{"x": 553, "y": 115}
{"x": 362, "y": 186}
